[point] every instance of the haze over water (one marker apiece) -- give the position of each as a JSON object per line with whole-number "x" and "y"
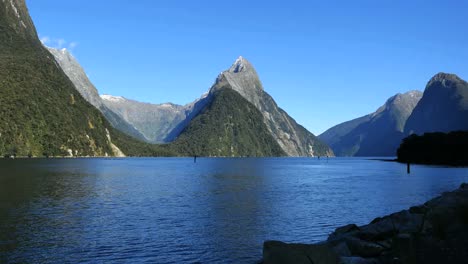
{"x": 172, "y": 210}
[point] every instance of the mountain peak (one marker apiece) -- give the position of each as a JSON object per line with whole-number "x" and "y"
{"x": 442, "y": 76}
{"x": 241, "y": 77}
{"x": 240, "y": 65}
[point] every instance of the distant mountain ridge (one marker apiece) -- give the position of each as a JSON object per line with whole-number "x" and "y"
{"x": 157, "y": 122}
{"x": 376, "y": 134}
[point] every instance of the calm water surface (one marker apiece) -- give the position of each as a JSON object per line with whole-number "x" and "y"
{"x": 170, "y": 210}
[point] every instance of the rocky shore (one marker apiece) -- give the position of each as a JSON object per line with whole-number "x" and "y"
{"x": 435, "y": 232}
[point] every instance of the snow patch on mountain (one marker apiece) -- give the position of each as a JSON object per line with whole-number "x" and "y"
{"x": 112, "y": 98}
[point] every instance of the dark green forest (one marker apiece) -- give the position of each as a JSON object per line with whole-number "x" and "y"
{"x": 435, "y": 148}
{"x": 228, "y": 126}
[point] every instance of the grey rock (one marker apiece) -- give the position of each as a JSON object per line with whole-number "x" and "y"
{"x": 357, "y": 260}
{"x": 400, "y": 238}
{"x": 275, "y": 252}
{"x": 342, "y": 249}
{"x": 379, "y": 230}
{"x": 344, "y": 230}
{"x": 363, "y": 248}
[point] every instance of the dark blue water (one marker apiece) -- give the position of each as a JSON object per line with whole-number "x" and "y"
{"x": 175, "y": 211}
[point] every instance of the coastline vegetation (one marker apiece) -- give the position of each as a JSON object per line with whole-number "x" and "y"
{"x": 435, "y": 148}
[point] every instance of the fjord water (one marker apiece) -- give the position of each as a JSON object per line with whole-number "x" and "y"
{"x": 172, "y": 210}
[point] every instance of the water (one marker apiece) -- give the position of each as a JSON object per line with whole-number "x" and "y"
{"x": 171, "y": 210}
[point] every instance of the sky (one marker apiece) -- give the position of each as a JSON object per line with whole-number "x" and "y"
{"x": 324, "y": 62}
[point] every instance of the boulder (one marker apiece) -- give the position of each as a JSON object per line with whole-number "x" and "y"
{"x": 275, "y": 252}
{"x": 436, "y": 232}
{"x": 363, "y": 248}
{"x": 357, "y": 260}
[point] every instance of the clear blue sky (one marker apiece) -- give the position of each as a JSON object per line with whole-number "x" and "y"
{"x": 324, "y": 62}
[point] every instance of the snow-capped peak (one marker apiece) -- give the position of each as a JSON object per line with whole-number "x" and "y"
{"x": 240, "y": 65}
{"x": 112, "y": 98}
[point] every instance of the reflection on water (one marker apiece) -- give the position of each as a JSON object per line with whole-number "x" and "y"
{"x": 176, "y": 211}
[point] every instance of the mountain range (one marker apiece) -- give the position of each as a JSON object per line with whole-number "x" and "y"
{"x": 443, "y": 107}
{"x": 165, "y": 123}
{"x": 51, "y": 108}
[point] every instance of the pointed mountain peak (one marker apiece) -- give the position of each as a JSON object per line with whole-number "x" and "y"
{"x": 240, "y": 65}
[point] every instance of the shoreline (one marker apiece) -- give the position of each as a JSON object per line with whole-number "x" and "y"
{"x": 434, "y": 232}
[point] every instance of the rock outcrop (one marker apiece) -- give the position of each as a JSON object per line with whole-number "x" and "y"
{"x": 435, "y": 232}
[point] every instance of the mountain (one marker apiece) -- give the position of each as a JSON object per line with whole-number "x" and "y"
{"x": 77, "y": 75}
{"x": 159, "y": 123}
{"x": 42, "y": 111}
{"x": 228, "y": 125}
{"x": 443, "y": 107}
{"x": 294, "y": 139}
{"x": 164, "y": 123}
{"x": 376, "y": 134}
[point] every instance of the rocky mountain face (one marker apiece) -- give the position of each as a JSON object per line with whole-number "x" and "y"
{"x": 228, "y": 126}
{"x": 16, "y": 17}
{"x": 294, "y": 139}
{"x": 77, "y": 75}
{"x": 376, "y": 134}
{"x": 443, "y": 107}
{"x": 42, "y": 112}
{"x": 159, "y": 123}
